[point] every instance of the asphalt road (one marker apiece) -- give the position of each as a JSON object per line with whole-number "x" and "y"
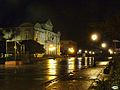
{"x": 50, "y": 74}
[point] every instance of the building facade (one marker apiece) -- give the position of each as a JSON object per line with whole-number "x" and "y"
{"x": 41, "y": 33}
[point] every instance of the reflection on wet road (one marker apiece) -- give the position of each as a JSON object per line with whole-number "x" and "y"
{"x": 33, "y": 77}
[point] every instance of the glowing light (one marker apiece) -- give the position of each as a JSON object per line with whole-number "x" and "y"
{"x": 86, "y": 51}
{"x": 115, "y": 87}
{"x": 51, "y": 47}
{"x": 103, "y": 63}
{"x": 110, "y": 58}
{"x": 80, "y": 51}
{"x": 114, "y": 52}
{"x": 71, "y": 65}
{"x": 71, "y": 58}
{"x": 93, "y": 52}
{"x": 52, "y": 68}
{"x": 90, "y": 52}
{"x": 93, "y": 77}
{"x": 94, "y": 37}
{"x": 103, "y": 45}
{"x": 86, "y": 61}
{"x": 80, "y": 58}
{"x": 71, "y": 50}
{"x": 80, "y": 62}
{"x": 110, "y": 51}
{"x": 90, "y": 60}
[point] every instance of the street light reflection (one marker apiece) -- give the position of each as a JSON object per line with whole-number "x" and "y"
{"x": 93, "y": 77}
{"x": 110, "y": 58}
{"x": 103, "y": 63}
{"x": 90, "y": 60}
{"x": 80, "y": 63}
{"x": 86, "y": 59}
{"x": 71, "y": 64}
{"x": 52, "y": 64}
{"x": 71, "y": 58}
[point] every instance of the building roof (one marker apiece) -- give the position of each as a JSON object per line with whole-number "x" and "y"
{"x": 48, "y": 25}
{"x": 26, "y": 25}
{"x": 37, "y": 25}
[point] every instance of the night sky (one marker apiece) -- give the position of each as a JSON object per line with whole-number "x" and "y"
{"x": 75, "y": 19}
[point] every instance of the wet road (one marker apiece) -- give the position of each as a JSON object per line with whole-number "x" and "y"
{"x": 38, "y": 76}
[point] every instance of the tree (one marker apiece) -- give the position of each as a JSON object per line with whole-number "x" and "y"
{"x": 32, "y": 47}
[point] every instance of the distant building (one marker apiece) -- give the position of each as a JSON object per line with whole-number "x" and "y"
{"x": 41, "y": 33}
{"x": 68, "y": 47}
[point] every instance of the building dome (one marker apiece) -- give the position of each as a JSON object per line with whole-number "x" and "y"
{"x": 26, "y": 25}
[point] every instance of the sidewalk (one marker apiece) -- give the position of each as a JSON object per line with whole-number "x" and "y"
{"x": 114, "y": 79}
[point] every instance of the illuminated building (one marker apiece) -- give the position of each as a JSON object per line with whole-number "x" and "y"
{"x": 41, "y": 33}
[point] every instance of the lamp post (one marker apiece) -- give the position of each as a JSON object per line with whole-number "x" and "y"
{"x": 94, "y": 37}
{"x": 104, "y": 48}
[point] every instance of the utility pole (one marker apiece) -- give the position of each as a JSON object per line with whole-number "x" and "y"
{"x": 15, "y": 47}
{"x": 6, "y": 50}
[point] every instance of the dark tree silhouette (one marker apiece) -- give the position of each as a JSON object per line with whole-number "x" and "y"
{"x": 33, "y": 47}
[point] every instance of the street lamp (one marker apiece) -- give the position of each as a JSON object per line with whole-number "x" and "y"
{"x": 103, "y": 45}
{"x": 86, "y": 51}
{"x": 79, "y": 51}
{"x": 90, "y": 52}
{"x": 93, "y": 52}
{"x": 94, "y": 37}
